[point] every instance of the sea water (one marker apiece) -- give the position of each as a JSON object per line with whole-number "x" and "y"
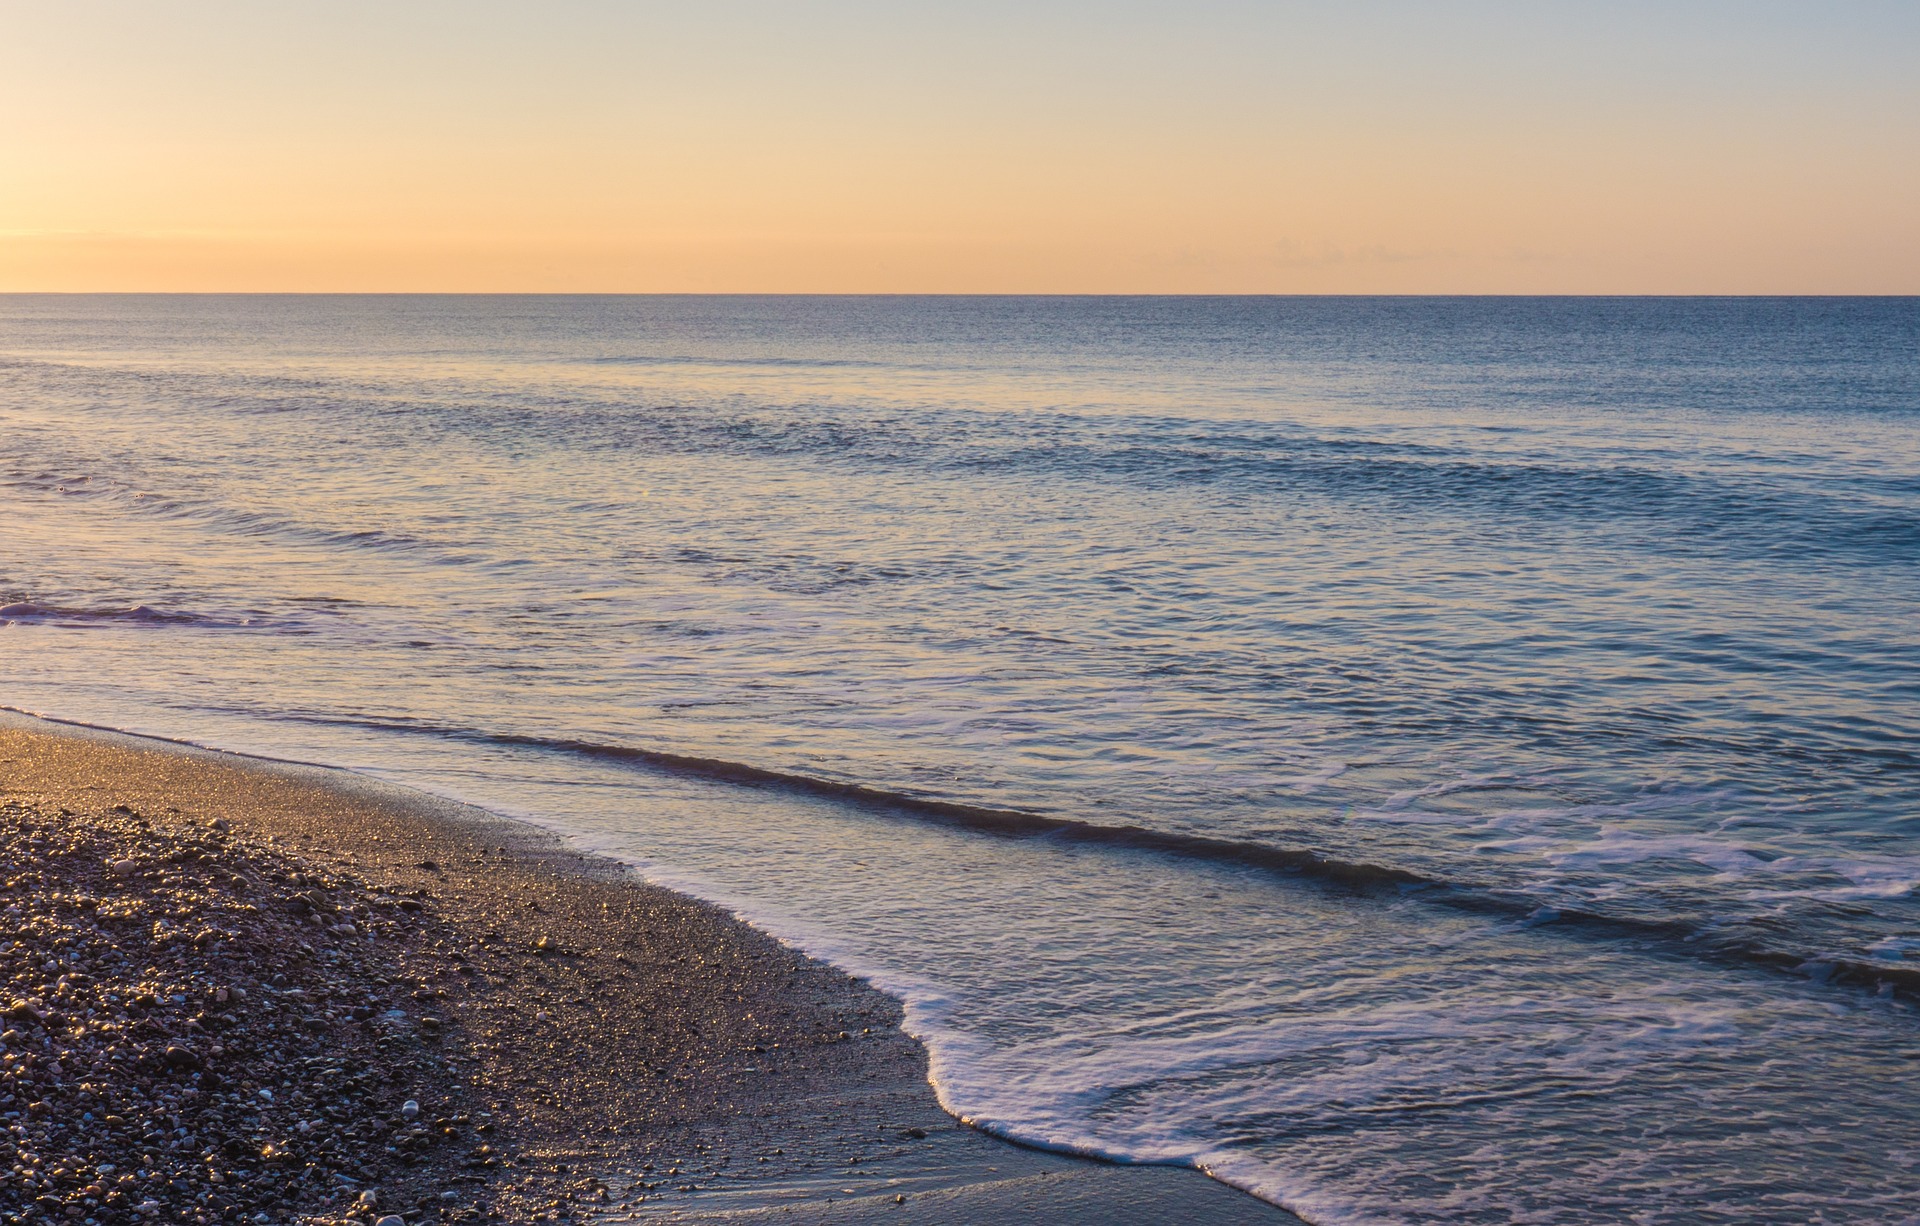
{"x": 1420, "y": 760}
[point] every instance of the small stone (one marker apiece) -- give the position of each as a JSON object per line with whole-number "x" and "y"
{"x": 123, "y": 868}
{"x": 392, "y": 1219}
{"x": 409, "y": 1109}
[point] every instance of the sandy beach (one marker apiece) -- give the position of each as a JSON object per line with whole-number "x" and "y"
{"x": 241, "y": 987}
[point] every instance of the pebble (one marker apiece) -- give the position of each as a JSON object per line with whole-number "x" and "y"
{"x": 158, "y": 1087}
{"x": 158, "y": 958}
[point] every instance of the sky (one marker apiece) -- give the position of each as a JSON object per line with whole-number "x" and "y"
{"x": 1208, "y": 146}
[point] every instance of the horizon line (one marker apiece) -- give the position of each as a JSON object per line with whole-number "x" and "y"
{"x": 295, "y": 293}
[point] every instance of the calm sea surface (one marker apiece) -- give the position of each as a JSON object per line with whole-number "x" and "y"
{"x": 1422, "y": 760}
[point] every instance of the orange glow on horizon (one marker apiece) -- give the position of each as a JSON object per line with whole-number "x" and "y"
{"x": 606, "y": 148}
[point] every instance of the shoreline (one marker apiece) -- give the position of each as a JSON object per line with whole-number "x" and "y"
{"x": 644, "y": 1056}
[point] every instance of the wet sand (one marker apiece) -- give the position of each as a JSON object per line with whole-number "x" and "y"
{"x": 635, "y": 1054}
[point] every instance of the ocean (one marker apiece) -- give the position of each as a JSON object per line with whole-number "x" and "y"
{"x": 1417, "y": 759}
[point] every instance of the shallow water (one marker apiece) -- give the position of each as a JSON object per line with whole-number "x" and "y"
{"x": 1425, "y": 760}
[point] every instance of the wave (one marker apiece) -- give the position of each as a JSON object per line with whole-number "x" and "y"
{"x": 26, "y": 612}
{"x": 1670, "y": 510}
{"x": 1675, "y": 511}
{"x": 240, "y": 522}
{"x": 1671, "y": 937}
{"x": 691, "y": 360}
{"x": 1661, "y": 508}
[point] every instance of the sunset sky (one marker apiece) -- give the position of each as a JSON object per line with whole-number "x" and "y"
{"x": 590, "y": 145}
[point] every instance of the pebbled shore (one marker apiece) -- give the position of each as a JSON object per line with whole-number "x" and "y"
{"x": 579, "y": 1045}
{"x": 201, "y": 1029}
